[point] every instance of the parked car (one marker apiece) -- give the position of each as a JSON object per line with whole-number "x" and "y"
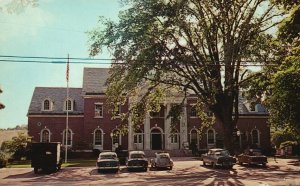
{"x": 137, "y": 160}
{"x": 251, "y": 157}
{"x": 218, "y": 157}
{"x": 108, "y": 161}
{"x": 46, "y": 156}
{"x": 162, "y": 160}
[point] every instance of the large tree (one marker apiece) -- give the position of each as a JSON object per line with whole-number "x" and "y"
{"x": 194, "y": 46}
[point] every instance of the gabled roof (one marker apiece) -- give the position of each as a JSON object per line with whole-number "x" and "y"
{"x": 57, "y": 96}
{"x": 94, "y": 80}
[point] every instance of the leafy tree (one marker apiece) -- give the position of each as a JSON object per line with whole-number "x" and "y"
{"x": 17, "y": 147}
{"x": 18, "y": 6}
{"x": 183, "y": 46}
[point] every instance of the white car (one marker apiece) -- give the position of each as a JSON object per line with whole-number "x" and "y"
{"x": 162, "y": 160}
{"x": 108, "y": 161}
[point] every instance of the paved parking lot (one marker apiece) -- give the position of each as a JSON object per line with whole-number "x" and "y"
{"x": 186, "y": 171}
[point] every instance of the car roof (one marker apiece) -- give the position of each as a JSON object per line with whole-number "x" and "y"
{"x": 217, "y": 149}
{"x": 136, "y": 152}
{"x": 108, "y": 153}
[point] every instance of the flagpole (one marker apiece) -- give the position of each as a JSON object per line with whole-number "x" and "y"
{"x": 67, "y": 109}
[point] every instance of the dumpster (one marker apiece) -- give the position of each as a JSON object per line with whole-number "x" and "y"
{"x": 46, "y": 156}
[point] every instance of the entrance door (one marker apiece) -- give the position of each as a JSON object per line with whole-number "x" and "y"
{"x": 156, "y": 139}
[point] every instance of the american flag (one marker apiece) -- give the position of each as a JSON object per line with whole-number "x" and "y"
{"x": 67, "y": 73}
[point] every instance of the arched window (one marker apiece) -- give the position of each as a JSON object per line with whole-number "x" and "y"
{"x": 116, "y": 137}
{"x": 138, "y": 137}
{"x": 174, "y": 136}
{"x": 68, "y": 106}
{"x": 194, "y": 136}
{"x": 45, "y": 136}
{"x": 211, "y": 136}
{"x": 47, "y": 105}
{"x": 255, "y": 137}
{"x": 69, "y": 137}
{"x": 98, "y": 136}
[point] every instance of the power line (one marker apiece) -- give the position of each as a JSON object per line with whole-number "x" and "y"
{"x": 80, "y": 60}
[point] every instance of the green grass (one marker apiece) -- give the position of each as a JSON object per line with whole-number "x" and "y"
{"x": 70, "y": 163}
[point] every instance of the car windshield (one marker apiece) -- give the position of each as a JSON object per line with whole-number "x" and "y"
{"x": 108, "y": 156}
{"x": 222, "y": 153}
{"x": 137, "y": 155}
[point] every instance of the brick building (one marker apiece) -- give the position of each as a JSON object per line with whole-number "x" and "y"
{"x": 91, "y": 126}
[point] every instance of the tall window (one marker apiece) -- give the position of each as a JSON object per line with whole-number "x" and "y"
{"x": 68, "y": 105}
{"x": 69, "y": 138}
{"x": 255, "y": 137}
{"x": 116, "y": 137}
{"x": 45, "y": 136}
{"x": 98, "y": 110}
{"x": 174, "y": 136}
{"x": 47, "y": 105}
{"x": 138, "y": 137}
{"x": 98, "y": 137}
{"x": 193, "y": 111}
{"x": 194, "y": 136}
{"x": 210, "y": 136}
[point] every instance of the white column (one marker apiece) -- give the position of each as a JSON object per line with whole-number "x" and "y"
{"x": 130, "y": 134}
{"x": 167, "y": 128}
{"x": 183, "y": 126}
{"x": 147, "y": 133}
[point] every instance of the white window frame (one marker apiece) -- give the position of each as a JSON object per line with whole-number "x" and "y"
{"x": 214, "y": 135}
{"x": 100, "y": 115}
{"x": 139, "y": 136}
{"x": 119, "y": 136}
{"x": 64, "y": 140}
{"x": 258, "y": 136}
{"x": 50, "y": 105}
{"x": 174, "y": 136}
{"x": 65, "y": 106}
{"x": 190, "y": 112}
{"x": 41, "y": 135}
{"x": 94, "y": 134}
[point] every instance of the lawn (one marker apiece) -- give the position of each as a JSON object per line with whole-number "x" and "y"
{"x": 70, "y": 163}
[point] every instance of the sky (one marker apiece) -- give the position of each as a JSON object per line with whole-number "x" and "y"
{"x": 55, "y": 28}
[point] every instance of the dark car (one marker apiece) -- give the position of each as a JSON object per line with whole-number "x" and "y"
{"x": 218, "y": 157}
{"x": 137, "y": 160}
{"x": 162, "y": 160}
{"x": 108, "y": 161}
{"x": 252, "y": 157}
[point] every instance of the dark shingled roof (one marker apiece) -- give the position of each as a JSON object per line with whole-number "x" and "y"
{"x": 94, "y": 80}
{"x": 58, "y": 97}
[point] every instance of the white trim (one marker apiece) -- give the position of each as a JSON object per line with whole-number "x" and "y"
{"x": 197, "y": 135}
{"x": 72, "y": 104}
{"x": 100, "y": 147}
{"x": 41, "y": 134}
{"x": 64, "y": 140}
{"x": 50, "y": 105}
{"x": 101, "y": 114}
{"x": 258, "y": 136}
{"x": 214, "y": 134}
{"x": 59, "y": 116}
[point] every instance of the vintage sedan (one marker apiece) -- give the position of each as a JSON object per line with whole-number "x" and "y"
{"x": 108, "y": 161}
{"x": 218, "y": 157}
{"x": 252, "y": 157}
{"x": 136, "y": 160}
{"x": 162, "y": 160}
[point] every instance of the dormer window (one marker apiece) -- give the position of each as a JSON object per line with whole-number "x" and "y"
{"x": 47, "y": 105}
{"x": 68, "y": 106}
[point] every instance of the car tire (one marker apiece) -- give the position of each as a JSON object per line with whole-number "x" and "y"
{"x": 99, "y": 171}
{"x": 171, "y": 168}
{"x": 204, "y": 163}
{"x": 145, "y": 169}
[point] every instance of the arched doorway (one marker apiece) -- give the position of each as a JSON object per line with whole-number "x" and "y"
{"x": 156, "y": 139}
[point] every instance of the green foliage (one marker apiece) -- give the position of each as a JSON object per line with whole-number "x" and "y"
{"x": 284, "y": 103}
{"x": 175, "y": 48}
{"x": 17, "y": 147}
{"x": 282, "y": 136}
{"x": 288, "y": 143}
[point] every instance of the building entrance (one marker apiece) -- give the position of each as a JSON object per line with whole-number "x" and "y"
{"x": 156, "y": 139}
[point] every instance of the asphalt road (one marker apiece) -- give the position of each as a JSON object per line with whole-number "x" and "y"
{"x": 186, "y": 171}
